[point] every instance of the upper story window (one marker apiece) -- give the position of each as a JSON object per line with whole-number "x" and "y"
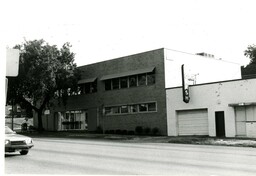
{"x": 116, "y": 83}
{"x": 124, "y": 82}
{"x": 142, "y": 81}
{"x": 135, "y": 78}
{"x": 151, "y": 78}
{"x": 133, "y": 81}
{"x": 87, "y": 86}
{"x": 108, "y": 84}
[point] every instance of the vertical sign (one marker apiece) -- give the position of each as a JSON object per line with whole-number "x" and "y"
{"x": 12, "y": 62}
{"x": 185, "y": 86}
{"x": 12, "y": 69}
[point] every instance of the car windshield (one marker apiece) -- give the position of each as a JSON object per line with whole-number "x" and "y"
{"x": 8, "y": 130}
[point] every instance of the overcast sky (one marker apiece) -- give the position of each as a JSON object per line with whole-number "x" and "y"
{"x": 104, "y": 29}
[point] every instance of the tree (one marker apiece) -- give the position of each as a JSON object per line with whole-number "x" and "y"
{"x": 250, "y": 70}
{"x": 45, "y": 73}
{"x": 251, "y": 53}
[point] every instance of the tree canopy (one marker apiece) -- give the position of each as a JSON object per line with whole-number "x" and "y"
{"x": 250, "y": 70}
{"x": 45, "y": 72}
{"x": 251, "y": 53}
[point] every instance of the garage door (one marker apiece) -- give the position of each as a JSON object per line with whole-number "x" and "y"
{"x": 246, "y": 121}
{"x": 193, "y": 122}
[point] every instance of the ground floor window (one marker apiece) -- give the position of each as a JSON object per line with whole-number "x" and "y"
{"x": 72, "y": 120}
{"x": 130, "y": 109}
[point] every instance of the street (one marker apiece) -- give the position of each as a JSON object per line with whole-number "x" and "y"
{"x": 80, "y": 156}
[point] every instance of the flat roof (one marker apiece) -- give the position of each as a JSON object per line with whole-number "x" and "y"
{"x": 233, "y": 80}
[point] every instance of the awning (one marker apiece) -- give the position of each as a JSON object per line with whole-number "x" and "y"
{"x": 242, "y": 104}
{"x": 88, "y": 80}
{"x": 129, "y": 73}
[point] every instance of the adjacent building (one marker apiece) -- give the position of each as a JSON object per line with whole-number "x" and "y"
{"x": 144, "y": 90}
{"x": 224, "y": 109}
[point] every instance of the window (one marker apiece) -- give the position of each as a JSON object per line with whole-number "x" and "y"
{"x": 87, "y": 88}
{"x": 143, "y": 107}
{"x": 116, "y": 110}
{"x": 71, "y": 120}
{"x": 133, "y": 81}
{"x": 108, "y": 84}
{"x": 124, "y": 82}
{"x": 151, "y": 106}
{"x": 134, "y": 108}
{"x": 124, "y": 109}
{"x": 67, "y": 116}
{"x": 115, "y": 83}
{"x": 108, "y": 110}
{"x": 150, "y": 78}
{"x": 93, "y": 87}
{"x": 142, "y": 80}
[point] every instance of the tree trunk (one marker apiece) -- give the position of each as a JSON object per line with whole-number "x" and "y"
{"x": 38, "y": 111}
{"x": 39, "y": 118}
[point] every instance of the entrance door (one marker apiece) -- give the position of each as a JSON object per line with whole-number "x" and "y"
{"x": 220, "y": 124}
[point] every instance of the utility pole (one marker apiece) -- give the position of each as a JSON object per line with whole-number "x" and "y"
{"x": 12, "y": 112}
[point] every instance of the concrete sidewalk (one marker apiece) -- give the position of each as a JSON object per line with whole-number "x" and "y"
{"x": 200, "y": 140}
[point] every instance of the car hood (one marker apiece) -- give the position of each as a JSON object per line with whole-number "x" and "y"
{"x": 14, "y": 137}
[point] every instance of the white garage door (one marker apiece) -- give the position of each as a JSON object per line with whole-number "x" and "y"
{"x": 193, "y": 122}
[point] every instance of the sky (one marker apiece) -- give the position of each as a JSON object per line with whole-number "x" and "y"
{"x": 105, "y": 29}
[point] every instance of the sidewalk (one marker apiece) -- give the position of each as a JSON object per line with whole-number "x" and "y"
{"x": 200, "y": 140}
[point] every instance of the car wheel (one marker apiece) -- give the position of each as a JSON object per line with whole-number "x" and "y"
{"x": 24, "y": 152}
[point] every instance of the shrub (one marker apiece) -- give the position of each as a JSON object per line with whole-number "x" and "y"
{"x": 147, "y": 130}
{"x": 155, "y": 131}
{"x": 130, "y": 132}
{"x": 111, "y": 132}
{"x": 124, "y": 132}
{"x": 99, "y": 130}
{"x": 118, "y": 131}
{"x": 138, "y": 129}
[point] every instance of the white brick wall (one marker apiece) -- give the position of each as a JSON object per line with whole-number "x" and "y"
{"x": 214, "y": 97}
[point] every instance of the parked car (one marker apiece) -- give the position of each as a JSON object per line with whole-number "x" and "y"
{"x": 15, "y": 142}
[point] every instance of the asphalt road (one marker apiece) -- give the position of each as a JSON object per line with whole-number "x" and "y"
{"x": 77, "y": 156}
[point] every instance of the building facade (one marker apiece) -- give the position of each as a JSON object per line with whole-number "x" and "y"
{"x": 127, "y": 92}
{"x": 119, "y": 94}
{"x": 226, "y": 109}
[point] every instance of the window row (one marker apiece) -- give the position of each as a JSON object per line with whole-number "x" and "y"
{"x": 112, "y": 84}
{"x": 87, "y": 88}
{"x": 71, "y": 120}
{"x": 130, "y": 81}
{"x": 134, "y": 108}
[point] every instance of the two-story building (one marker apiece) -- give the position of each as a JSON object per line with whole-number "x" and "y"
{"x": 131, "y": 91}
